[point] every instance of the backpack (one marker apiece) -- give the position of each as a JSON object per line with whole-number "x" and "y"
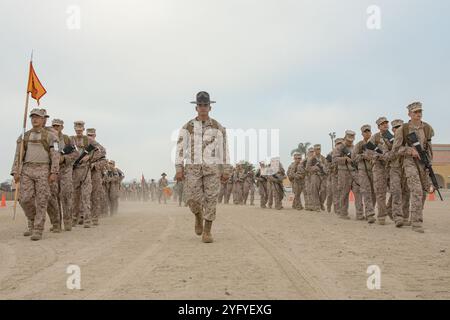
{"x": 43, "y": 141}
{"x": 85, "y": 141}
{"x": 428, "y": 135}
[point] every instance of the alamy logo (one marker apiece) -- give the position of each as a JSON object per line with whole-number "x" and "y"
{"x": 74, "y": 280}
{"x": 73, "y": 21}
{"x": 374, "y": 279}
{"x": 374, "y": 19}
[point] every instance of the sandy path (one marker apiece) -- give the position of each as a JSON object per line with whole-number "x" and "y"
{"x": 150, "y": 251}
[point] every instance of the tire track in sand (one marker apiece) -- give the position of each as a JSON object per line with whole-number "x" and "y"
{"x": 300, "y": 279}
{"x": 147, "y": 261}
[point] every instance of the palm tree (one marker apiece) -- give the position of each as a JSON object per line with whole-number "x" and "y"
{"x": 248, "y": 166}
{"x": 302, "y": 148}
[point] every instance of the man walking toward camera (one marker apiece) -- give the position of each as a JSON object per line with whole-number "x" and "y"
{"x": 202, "y": 161}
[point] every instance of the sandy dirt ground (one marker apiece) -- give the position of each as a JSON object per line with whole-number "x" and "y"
{"x": 150, "y": 251}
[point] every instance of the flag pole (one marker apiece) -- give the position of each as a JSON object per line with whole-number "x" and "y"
{"x": 19, "y": 164}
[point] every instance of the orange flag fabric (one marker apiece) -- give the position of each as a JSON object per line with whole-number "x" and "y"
{"x": 34, "y": 85}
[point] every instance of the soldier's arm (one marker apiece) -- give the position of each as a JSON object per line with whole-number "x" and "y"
{"x": 98, "y": 153}
{"x": 325, "y": 165}
{"x": 15, "y": 166}
{"x": 337, "y": 157}
{"x": 398, "y": 147}
{"x": 290, "y": 172}
{"x": 54, "y": 154}
{"x": 310, "y": 167}
{"x": 357, "y": 153}
{"x": 180, "y": 150}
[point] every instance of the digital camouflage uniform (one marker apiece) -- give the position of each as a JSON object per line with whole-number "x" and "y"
{"x": 65, "y": 182}
{"x": 114, "y": 180}
{"x": 318, "y": 180}
{"x": 238, "y": 187}
{"x": 347, "y": 179}
{"x": 39, "y": 160}
{"x": 82, "y": 185}
{"x": 201, "y": 148}
{"x": 261, "y": 183}
{"x": 330, "y": 198}
{"x": 307, "y": 182}
{"x": 380, "y": 171}
{"x": 162, "y": 183}
{"x": 98, "y": 164}
{"x": 249, "y": 188}
{"x": 365, "y": 179}
{"x": 53, "y": 207}
{"x": 416, "y": 175}
{"x": 229, "y": 188}
{"x": 296, "y": 175}
{"x": 276, "y": 182}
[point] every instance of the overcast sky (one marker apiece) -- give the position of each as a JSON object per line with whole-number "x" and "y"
{"x": 306, "y": 68}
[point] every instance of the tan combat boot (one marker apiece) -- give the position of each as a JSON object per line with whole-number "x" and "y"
{"x": 198, "y": 224}
{"x": 29, "y": 231}
{"x": 55, "y": 229}
{"x": 381, "y": 221}
{"x": 36, "y": 236}
{"x": 207, "y": 237}
{"x": 67, "y": 225}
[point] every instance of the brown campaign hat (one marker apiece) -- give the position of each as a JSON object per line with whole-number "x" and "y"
{"x": 202, "y": 98}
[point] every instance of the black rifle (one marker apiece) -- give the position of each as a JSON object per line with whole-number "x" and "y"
{"x": 85, "y": 152}
{"x": 364, "y": 148}
{"x": 315, "y": 162}
{"x": 278, "y": 184}
{"x": 68, "y": 149}
{"x": 388, "y": 136}
{"x": 329, "y": 158}
{"x": 348, "y": 153}
{"x": 371, "y": 146}
{"x": 414, "y": 142}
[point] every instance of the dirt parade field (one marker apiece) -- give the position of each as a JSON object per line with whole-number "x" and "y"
{"x": 150, "y": 251}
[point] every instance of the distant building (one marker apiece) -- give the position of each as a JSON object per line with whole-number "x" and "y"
{"x": 441, "y": 164}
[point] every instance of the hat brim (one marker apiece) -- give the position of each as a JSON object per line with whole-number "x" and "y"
{"x": 37, "y": 114}
{"x": 210, "y": 102}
